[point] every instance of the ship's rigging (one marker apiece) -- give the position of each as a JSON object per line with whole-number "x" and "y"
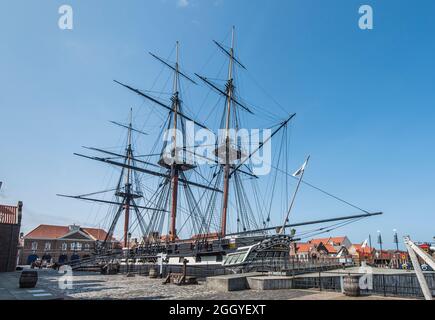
{"x": 185, "y": 195}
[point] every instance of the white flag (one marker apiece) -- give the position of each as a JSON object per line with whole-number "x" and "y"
{"x": 301, "y": 169}
{"x": 364, "y": 244}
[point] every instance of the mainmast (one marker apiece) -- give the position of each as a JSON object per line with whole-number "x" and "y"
{"x": 169, "y": 158}
{"x": 229, "y": 94}
{"x": 174, "y": 166}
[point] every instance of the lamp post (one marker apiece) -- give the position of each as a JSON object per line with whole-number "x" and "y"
{"x": 396, "y": 240}
{"x": 396, "y": 255}
{"x": 128, "y": 256}
{"x": 380, "y": 244}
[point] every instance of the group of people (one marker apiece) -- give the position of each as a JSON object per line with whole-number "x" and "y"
{"x": 39, "y": 264}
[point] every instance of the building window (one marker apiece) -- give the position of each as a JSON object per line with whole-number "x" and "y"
{"x": 64, "y": 246}
{"x": 34, "y": 245}
{"x": 47, "y": 246}
{"x": 87, "y": 246}
{"x": 76, "y": 246}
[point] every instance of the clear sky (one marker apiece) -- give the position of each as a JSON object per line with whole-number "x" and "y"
{"x": 365, "y": 99}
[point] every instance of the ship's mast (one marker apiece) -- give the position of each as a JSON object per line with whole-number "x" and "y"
{"x": 126, "y": 193}
{"x": 229, "y": 93}
{"x": 173, "y": 175}
{"x": 174, "y": 166}
{"x": 129, "y": 153}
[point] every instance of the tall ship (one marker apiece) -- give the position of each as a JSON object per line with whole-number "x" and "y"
{"x": 206, "y": 203}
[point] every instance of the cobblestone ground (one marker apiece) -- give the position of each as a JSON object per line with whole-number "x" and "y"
{"x": 96, "y": 286}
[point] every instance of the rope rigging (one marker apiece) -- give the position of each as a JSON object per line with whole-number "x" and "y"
{"x": 158, "y": 212}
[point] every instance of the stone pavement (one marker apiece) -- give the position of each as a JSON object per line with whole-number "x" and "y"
{"x": 88, "y": 285}
{"x": 10, "y": 290}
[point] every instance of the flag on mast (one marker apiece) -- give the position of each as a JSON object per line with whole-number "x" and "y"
{"x": 301, "y": 169}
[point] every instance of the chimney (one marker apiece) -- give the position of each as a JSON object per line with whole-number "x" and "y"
{"x": 20, "y": 212}
{"x": 74, "y": 227}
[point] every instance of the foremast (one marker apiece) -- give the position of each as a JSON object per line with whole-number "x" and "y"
{"x": 128, "y": 195}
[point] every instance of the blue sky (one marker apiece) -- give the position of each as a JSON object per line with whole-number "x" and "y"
{"x": 365, "y": 99}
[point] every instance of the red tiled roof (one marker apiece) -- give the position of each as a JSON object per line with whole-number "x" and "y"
{"x": 97, "y": 234}
{"x": 360, "y": 249}
{"x": 45, "y": 231}
{"x": 330, "y": 248}
{"x": 335, "y": 240}
{"x": 304, "y": 247}
{"x": 307, "y": 247}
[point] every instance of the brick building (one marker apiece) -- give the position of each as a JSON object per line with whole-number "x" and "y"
{"x": 10, "y": 223}
{"x": 322, "y": 249}
{"x": 307, "y": 251}
{"x": 336, "y": 242}
{"x": 361, "y": 253}
{"x": 61, "y": 243}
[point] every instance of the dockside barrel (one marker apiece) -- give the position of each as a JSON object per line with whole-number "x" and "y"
{"x": 28, "y": 279}
{"x": 351, "y": 286}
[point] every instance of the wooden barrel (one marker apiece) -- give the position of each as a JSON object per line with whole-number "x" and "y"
{"x": 351, "y": 286}
{"x": 153, "y": 272}
{"x": 28, "y": 279}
